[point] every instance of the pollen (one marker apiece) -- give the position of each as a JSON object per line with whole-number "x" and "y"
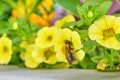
{"x": 108, "y": 33}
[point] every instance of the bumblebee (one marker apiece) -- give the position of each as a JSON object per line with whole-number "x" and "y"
{"x": 69, "y": 53}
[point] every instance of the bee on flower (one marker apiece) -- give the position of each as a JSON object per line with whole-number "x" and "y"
{"x": 68, "y": 45}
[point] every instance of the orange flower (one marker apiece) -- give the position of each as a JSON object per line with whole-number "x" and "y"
{"x": 19, "y": 12}
{"x": 39, "y": 20}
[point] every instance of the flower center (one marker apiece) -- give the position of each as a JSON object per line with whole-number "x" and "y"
{"x": 5, "y": 49}
{"x": 48, "y": 53}
{"x": 49, "y": 38}
{"x": 108, "y": 33}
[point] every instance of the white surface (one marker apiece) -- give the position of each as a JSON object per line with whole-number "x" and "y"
{"x": 15, "y": 73}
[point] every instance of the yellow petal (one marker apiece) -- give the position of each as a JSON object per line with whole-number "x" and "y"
{"x": 76, "y": 40}
{"x": 80, "y": 55}
{"x": 109, "y": 20}
{"x": 117, "y": 25}
{"x": 52, "y": 59}
{"x": 38, "y": 55}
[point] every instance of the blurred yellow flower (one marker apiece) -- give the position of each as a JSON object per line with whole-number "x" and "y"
{"x": 47, "y": 55}
{"x": 104, "y": 30}
{"x": 64, "y": 20}
{"x": 102, "y": 64}
{"x": 5, "y": 50}
{"x": 28, "y": 59}
{"x": 45, "y": 37}
{"x": 68, "y": 45}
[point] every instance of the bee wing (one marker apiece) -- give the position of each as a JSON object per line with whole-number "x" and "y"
{"x": 68, "y": 56}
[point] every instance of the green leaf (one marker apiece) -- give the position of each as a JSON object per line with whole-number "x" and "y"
{"x": 96, "y": 59}
{"x": 9, "y": 2}
{"x": 117, "y": 36}
{"x": 89, "y": 46}
{"x": 90, "y": 3}
{"x": 15, "y": 59}
{"x": 16, "y": 41}
{"x": 119, "y": 0}
{"x": 107, "y": 55}
{"x": 70, "y": 5}
{"x": 83, "y": 34}
{"x": 87, "y": 63}
{"x": 103, "y": 8}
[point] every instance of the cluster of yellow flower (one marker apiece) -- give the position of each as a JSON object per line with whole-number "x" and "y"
{"x": 53, "y": 45}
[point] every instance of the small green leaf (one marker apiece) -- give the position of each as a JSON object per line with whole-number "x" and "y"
{"x": 87, "y": 63}
{"x": 107, "y": 55}
{"x": 103, "y": 8}
{"x": 70, "y": 5}
{"x": 89, "y": 46}
{"x": 117, "y": 36}
{"x": 96, "y": 59}
{"x": 83, "y": 34}
{"x": 9, "y": 2}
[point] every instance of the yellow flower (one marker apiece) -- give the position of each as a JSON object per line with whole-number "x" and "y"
{"x": 27, "y": 56}
{"x": 5, "y": 50}
{"x": 102, "y": 64}
{"x": 68, "y": 46}
{"x": 64, "y": 20}
{"x": 104, "y": 30}
{"x": 46, "y": 37}
{"x": 47, "y": 55}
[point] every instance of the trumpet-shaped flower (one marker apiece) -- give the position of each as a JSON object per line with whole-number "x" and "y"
{"x": 29, "y": 61}
{"x": 46, "y": 37}
{"x": 68, "y": 45}
{"x": 47, "y": 55}
{"x": 5, "y": 50}
{"x": 104, "y": 30}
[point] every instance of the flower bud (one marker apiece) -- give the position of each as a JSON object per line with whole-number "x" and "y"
{"x": 90, "y": 14}
{"x": 15, "y": 25}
